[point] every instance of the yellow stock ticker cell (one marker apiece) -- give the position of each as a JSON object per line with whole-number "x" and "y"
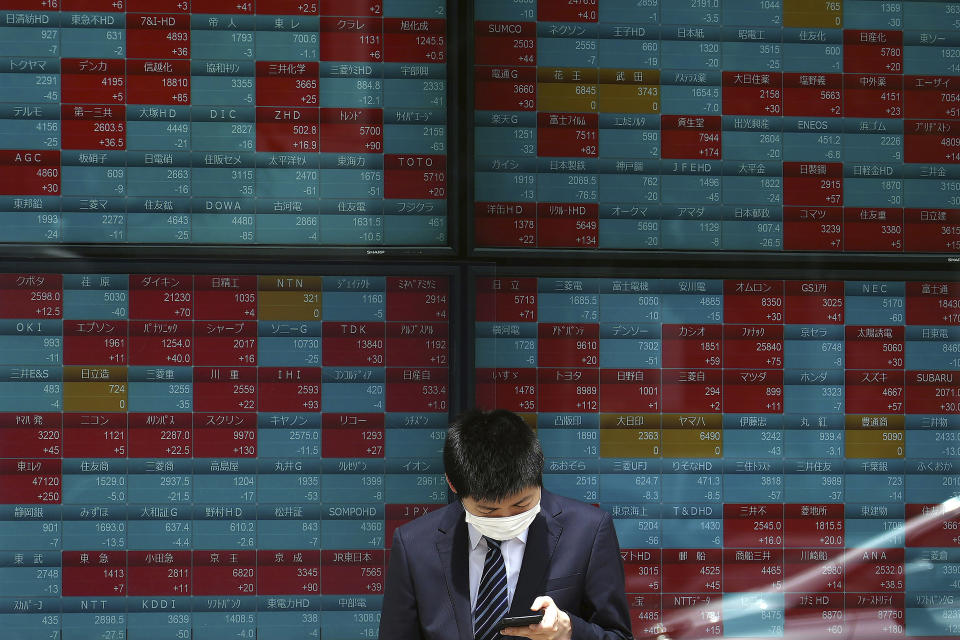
{"x": 290, "y": 298}
{"x": 698, "y": 435}
{"x": 630, "y": 435}
{"x": 575, "y": 90}
{"x": 95, "y": 389}
{"x": 629, "y": 91}
{"x": 816, "y": 14}
{"x": 567, "y": 90}
{"x": 875, "y": 436}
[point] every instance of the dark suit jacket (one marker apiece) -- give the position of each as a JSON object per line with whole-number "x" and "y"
{"x": 571, "y": 555}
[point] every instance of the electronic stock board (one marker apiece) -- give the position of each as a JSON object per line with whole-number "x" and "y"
{"x": 720, "y": 125}
{"x": 223, "y": 449}
{"x": 218, "y": 455}
{"x": 318, "y": 122}
{"x": 779, "y": 456}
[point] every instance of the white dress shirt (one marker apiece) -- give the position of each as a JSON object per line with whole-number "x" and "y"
{"x": 512, "y": 551}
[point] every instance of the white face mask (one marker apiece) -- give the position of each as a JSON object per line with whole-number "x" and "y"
{"x": 503, "y": 528}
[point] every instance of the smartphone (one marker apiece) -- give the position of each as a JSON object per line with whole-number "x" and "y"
{"x": 520, "y": 621}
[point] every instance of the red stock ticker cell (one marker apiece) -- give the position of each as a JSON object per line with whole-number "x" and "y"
{"x": 31, "y": 481}
{"x": 933, "y": 303}
{"x": 931, "y": 230}
{"x": 158, "y": 82}
{"x": 288, "y": 84}
{"x": 290, "y": 389}
{"x": 415, "y": 176}
{"x": 693, "y": 345}
{"x": 351, "y": 39}
{"x": 505, "y": 43}
{"x": 95, "y": 342}
{"x": 351, "y": 130}
{"x": 348, "y": 344}
{"x": 692, "y": 390}
{"x": 568, "y": 345}
{"x": 576, "y": 390}
{"x": 421, "y": 344}
{"x": 872, "y": 51}
{"x": 813, "y": 228}
{"x": 813, "y": 183}
{"x": 101, "y": 127}
{"x": 417, "y": 389}
{"x": 352, "y": 572}
{"x": 936, "y": 97}
{"x": 513, "y": 389}
{"x": 813, "y": 95}
{"x": 691, "y": 137}
{"x": 226, "y": 297}
{"x": 161, "y": 435}
{"x": 931, "y": 141}
{"x": 368, "y": 8}
{"x": 417, "y": 299}
{"x": 415, "y": 40}
{"x": 31, "y": 435}
{"x": 161, "y": 297}
{"x": 873, "y": 229}
{"x": 753, "y": 346}
{"x": 752, "y": 93}
{"x": 225, "y": 389}
{"x": 159, "y": 573}
{"x": 161, "y": 342}
{"x": 872, "y": 96}
{"x": 933, "y": 392}
{"x": 568, "y": 224}
{"x": 755, "y": 301}
{"x": 225, "y": 435}
{"x": 290, "y": 129}
{"x": 568, "y": 135}
{"x": 285, "y": 572}
{"x": 225, "y": 343}
{"x": 753, "y": 569}
{"x": 505, "y": 224}
{"x": 95, "y": 435}
{"x": 753, "y": 390}
{"x": 93, "y": 81}
{"x": 629, "y": 390}
{"x": 161, "y": 36}
{"x": 396, "y": 515}
{"x": 230, "y": 572}
{"x": 872, "y": 392}
{"x": 814, "y": 302}
{"x": 358, "y": 435}
{"x": 867, "y": 347}
{"x": 94, "y": 573}
{"x": 29, "y": 172}
{"x": 506, "y": 299}
{"x": 505, "y": 88}
{"x": 579, "y": 11}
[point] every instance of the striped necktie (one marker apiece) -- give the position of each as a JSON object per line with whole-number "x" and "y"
{"x": 492, "y": 595}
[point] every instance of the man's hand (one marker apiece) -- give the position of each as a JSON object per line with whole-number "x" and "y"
{"x": 554, "y": 626}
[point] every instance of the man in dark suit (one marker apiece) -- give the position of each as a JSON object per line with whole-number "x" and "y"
{"x": 506, "y": 544}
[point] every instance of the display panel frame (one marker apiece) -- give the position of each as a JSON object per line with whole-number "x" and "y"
{"x": 657, "y": 609}
{"x": 263, "y": 251}
{"x": 657, "y": 256}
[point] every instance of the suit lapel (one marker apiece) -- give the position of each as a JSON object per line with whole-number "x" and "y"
{"x": 453, "y": 545}
{"x": 542, "y": 538}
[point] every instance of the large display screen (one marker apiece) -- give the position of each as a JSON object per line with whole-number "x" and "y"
{"x": 780, "y": 456}
{"x": 720, "y": 125}
{"x": 214, "y": 455}
{"x": 314, "y": 122}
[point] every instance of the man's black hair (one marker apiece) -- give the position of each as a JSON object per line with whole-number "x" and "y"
{"x": 490, "y": 455}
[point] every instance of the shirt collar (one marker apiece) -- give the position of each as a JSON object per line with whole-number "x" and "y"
{"x": 476, "y": 536}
